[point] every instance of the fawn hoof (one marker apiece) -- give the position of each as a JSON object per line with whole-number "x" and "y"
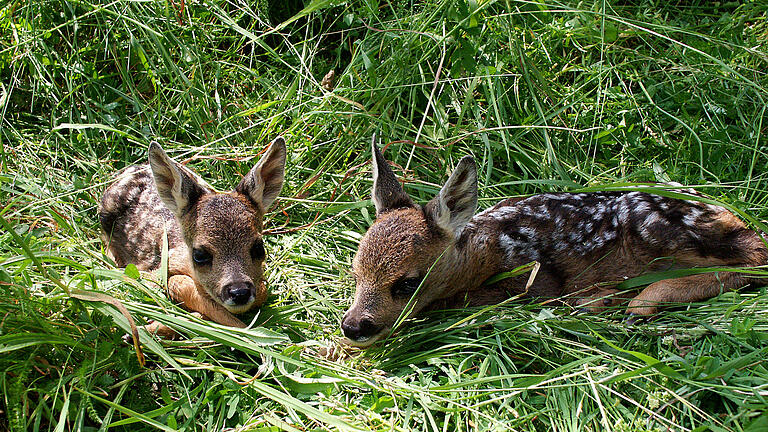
{"x": 642, "y": 309}
{"x": 594, "y": 307}
{"x": 634, "y": 318}
{"x": 598, "y": 302}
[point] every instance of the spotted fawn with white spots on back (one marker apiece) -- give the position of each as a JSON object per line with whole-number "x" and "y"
{"x": 215, "y": 248}
{"x": 586, "y": 243}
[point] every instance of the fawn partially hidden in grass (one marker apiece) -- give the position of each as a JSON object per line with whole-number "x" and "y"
{"x": 215, "y": 248}
{"x": 586, "y": 243}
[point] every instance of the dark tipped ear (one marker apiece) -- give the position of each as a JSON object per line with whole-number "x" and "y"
{"x": 178, "y": 187}
{"x": 263, "y": 183}
{"x": 387, "y": 194}
{"x": 456, "y": 203}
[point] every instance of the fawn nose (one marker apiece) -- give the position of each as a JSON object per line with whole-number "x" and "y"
{"x": 239, "y": 292}
{"x": 359, "y": 329}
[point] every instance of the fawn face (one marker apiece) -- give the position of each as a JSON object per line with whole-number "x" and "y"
{"x": 395, "y": 255}
{"x": 222, "y": 231}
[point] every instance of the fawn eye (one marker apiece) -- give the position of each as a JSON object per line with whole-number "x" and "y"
{"x": 405, "y": 287}
{"x": 257, "y": 250}
{"x": 201, "y": 257}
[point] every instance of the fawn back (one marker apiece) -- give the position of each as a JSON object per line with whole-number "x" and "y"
{"x": 586, "y": 244}
{"x": 214, "y": 238}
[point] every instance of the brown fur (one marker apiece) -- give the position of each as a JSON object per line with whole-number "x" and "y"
{"x": 147, "y": 201}
{"x": 586, "y": 245}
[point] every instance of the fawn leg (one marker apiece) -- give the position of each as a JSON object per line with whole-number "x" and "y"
{"x": 261, "y": 294}
{"x": 182, "y": 288}
{"x": 600, "y": 300}
{"x": 160, "y": 329}
{"x": 684, "y": 289}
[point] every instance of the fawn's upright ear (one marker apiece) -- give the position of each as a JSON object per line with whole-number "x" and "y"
{"x": 264, "y": 181}
{"x": 178, "y": 187}
{"x": 387, "y": 194}
{"x": 456, "y": 203}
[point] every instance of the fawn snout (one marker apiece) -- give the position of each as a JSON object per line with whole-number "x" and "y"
{"x": 238, "y": 293}
{"x": 359, "y": 327}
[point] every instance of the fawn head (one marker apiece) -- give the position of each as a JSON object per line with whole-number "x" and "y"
{"x": 396, "y": 254}
{"x": 223, "y": 231}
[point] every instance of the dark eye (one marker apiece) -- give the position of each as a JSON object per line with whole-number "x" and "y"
{"x": 201, "y": 257}
{"x": 405, "y": 287}
{"x": 257, "y": 250}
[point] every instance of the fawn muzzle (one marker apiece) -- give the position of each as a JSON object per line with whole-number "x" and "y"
{"x": 238, "y": 293}
{"x": 359, "y": 328}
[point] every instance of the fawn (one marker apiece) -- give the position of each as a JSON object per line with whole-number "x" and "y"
{"x": 215, "y": 247}
{"x": 586, "y": 243}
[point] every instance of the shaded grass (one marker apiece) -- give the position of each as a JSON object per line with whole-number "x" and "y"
{"x": 547, "y": 96}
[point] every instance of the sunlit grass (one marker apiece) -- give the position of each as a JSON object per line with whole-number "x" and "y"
{"x": 547, "y": 96}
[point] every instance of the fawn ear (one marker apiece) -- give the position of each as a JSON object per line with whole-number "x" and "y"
{"x": 178, "y": 187}
{"x": 387, "y": 194}
{"x": 456, "y": 203}
{"x": 264, "y": 181}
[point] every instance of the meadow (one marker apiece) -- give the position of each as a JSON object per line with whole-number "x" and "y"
{"x": 547, "y": 95}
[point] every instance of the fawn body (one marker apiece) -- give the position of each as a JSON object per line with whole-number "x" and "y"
{"x": 586, "y": 244}
{"x": 215, "y": 248}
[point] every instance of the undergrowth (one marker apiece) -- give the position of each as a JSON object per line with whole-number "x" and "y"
{"x": 547, "y": 96}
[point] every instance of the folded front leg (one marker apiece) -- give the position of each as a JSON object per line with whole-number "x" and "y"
{"x": 182, "y": 288}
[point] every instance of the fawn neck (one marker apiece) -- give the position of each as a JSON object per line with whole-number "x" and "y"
{"x": 468, "y": 261}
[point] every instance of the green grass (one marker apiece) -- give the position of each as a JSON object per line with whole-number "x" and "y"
{"x": 547, "y": 96}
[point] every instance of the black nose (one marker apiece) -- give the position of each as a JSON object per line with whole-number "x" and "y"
{"x": 359, "y": 329}
{"x": 238, "y": 292}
